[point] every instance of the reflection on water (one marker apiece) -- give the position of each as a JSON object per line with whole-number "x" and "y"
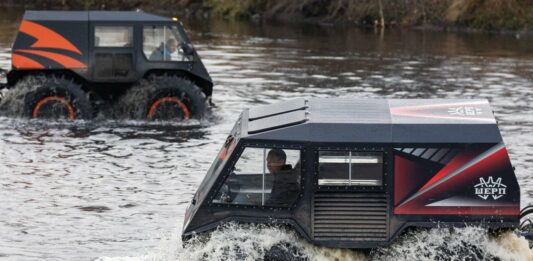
{"x": 102, "y": 188}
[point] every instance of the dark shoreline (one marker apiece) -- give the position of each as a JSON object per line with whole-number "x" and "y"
{"x": 523, "y": 32}
{"x": 207, "y": 9}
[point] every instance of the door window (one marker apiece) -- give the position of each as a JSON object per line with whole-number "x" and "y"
{"x": 263, "y": 177}
{"x": 113, "y": 36}
{"x": 350, "y": 168}
{"x": 162, "y": 43}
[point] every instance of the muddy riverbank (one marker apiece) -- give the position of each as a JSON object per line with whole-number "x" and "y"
{"x": 449, "y": 15}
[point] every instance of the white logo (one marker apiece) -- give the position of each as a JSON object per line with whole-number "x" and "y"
{"x": 465, "y": 111}
{"x": 490, "y": 188}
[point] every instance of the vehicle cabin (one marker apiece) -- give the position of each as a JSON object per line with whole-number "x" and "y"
{"x": 355, "y": 173}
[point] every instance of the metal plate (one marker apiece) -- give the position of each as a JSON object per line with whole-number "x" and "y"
{"x": 277, "y": 121}
{"x": 349, "y": 110}
{"x": 276, "y": 108}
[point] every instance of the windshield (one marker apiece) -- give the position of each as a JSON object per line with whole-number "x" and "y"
{"x": 263, "y": 177}
{"x": 224, "y": 153}
{"x": 220, "y": 161}
{"x": 163, "y": 43}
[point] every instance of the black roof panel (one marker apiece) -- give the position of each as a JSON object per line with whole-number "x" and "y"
{"x": 339, "y": 110}
{"x": 277, "y": 121}
{"x": 126, "y": 16}
{"x": 129, "y": 16}
{"x": 56, "y": 15}
{"x": 378, "y": 121}
{"x": 276, "y": 108}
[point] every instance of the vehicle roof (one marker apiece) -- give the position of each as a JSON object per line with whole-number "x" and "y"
{"x": 373, "y": 121}
{"x": 130, "y": 16}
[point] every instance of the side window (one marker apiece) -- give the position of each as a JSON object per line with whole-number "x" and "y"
{"x": 160, "y": 43}
{"x": 113, "y": 36}
{"x": 263, "y": 177}
{"x": 250, "y": 162}
{"x": 349, "y": 168}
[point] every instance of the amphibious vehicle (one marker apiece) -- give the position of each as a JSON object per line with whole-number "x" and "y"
{"x": 354, "y": 173}
{"x": 73, "y": 64}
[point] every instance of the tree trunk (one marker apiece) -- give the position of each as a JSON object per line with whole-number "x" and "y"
{"x": 381, "y": 22}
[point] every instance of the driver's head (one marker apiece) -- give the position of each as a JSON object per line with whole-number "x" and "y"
{"x": 172, "y": 45}
{"x": 276, "y": 160}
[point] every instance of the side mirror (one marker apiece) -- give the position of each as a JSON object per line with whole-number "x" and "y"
{"x": 187, "y": 48}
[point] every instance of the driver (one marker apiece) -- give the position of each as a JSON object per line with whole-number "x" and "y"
{"x": 285, "y": 185}
{"x": 276, "y": 159}
{"x": 164, "y": 51}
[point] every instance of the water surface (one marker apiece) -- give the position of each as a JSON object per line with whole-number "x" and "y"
{"x": 106, "y": 188}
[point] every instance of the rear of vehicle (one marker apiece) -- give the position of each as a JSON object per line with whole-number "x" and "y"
{"x": 79, "y": 63}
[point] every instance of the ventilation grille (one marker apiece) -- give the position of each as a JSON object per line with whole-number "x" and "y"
{"x": 350, "y": 217}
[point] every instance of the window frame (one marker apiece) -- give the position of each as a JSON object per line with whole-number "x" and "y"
{"x": 384, "y": 169}
{"x": 131, "y": 26}
{"x": 181, "y": 36}
{"x": 232, "y": 161}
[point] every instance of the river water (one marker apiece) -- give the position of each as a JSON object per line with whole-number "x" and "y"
{"x": 118, "y": 189}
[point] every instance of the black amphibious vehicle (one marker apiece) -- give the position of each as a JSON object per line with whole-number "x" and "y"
{"x": 355, "y": 173}
{"x": 74, "y": 64}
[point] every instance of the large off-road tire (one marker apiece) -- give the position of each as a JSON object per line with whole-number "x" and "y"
{"x": 56, "y": 98}
{"x": 164, "y": 98}
{"x": 284, "y": 251}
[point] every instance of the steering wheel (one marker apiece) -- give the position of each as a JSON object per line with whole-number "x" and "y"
{"x": 228, "y": 190}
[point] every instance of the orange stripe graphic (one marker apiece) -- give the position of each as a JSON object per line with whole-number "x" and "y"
{"x": 46, "y": 38}
{"x": 64, "y": 60}
{"x": 22, "y": 62}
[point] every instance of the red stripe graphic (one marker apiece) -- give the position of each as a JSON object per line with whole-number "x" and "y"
{"x": 453, "y": 165}
{"x": 423, "y": 111}
{"x": 437, "y": 106}
{"x": 457, "y": 177}
{"x": 500, "y": 210}
{"x": 407, "y": 178}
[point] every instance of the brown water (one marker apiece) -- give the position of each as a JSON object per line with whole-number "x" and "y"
{"x": 119, "y": 189}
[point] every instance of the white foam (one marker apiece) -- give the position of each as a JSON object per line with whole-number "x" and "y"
{"x": 251, "y": 242}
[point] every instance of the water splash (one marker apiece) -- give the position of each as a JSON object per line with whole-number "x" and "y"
{"x": 12, "y": 101}
{"x": 470, "y": 243}
{"x": 254, "y": 242}
{"x": 242, "y": 242}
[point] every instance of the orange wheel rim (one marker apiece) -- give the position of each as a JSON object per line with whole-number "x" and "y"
{"x": 46, "y": 100}
{"x": 183, "y": 107}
